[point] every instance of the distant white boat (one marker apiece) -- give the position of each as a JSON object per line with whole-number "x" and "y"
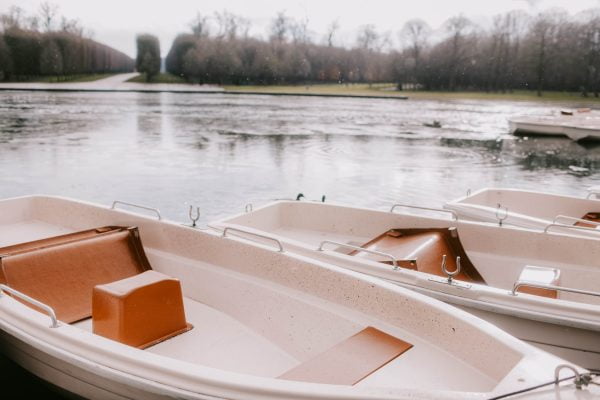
{"x": 576, "y": 125}
{"x": 100, "y": 303}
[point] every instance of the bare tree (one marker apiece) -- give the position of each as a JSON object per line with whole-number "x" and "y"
{"x": 368, "y": 38}
{"x": 280, "y": 27}
{"x": 228, "y": 24}
{"x": 200, "y": 26}
{"x": 544, "y": 35}
{"x": 72, "y": 26}
{"x": 299, "y": 30}
{"x": 588, "y": 41}
{"x": 332, "y": 30}
{"x": 12, "y": 19}
{"x": 48, "y": 13}
{"x": 459, "y": 28}
{"x": 416, "y": 33}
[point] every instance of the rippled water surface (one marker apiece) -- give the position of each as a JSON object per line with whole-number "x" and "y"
{"x": 224, "y": 151}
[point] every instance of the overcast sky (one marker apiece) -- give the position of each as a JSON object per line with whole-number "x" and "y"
{"x": 116, "y": 22}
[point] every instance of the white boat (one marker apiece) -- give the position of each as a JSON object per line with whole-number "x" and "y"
{"x": 199, "y": 315}
{"x": 574, "y": 125}
{"x": 531, "y": 209}
{"x": 540, "y": 287}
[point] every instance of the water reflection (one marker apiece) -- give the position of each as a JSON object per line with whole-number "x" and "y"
{"x": 221, "y": 151}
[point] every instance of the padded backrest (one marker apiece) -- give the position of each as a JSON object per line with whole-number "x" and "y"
{"x": 424, "y": 249}
{"x": 62, "y": 271}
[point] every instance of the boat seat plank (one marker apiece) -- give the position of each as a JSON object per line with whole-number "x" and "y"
{"x": 422, "y": 250}
{"x": 591, "y": 216}
{"x": 540, "y": 275}
{"x": 62, "y": 271}
{"x": 351, "y": 360}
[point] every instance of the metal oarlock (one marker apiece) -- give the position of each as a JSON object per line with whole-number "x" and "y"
{"x": 499, "y": 216}
{"x": 194, "y": 218}
{"x": 449, "y": 274}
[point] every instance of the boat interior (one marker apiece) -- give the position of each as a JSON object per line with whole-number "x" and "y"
{"x": 210, "y": 301}
{"x": 489, "y": 255}
{"x": 544, "y": 206}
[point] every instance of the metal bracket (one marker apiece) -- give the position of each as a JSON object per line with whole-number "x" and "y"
{"x": 248, "y": 208}
{"x": 454, "y": 283}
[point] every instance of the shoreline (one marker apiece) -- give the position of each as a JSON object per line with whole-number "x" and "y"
{"x": 119, "y": 84}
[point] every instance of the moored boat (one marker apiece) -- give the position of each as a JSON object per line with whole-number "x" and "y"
{"x": 576, "y": 125}
{"x": 539, "y": 286}
{"x": 531, "y": 209}
{"x": 105, "y": 304}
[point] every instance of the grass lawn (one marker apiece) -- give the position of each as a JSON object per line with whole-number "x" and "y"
{"x": 388, "y": 89}
{"x": 160, "y": 78}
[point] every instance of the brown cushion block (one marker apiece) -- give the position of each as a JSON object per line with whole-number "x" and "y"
{"x": 62, "y": 271}
{"x": 139, "y": 311}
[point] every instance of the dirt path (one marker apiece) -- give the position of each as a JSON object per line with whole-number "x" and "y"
{"x": 115, "y": 83}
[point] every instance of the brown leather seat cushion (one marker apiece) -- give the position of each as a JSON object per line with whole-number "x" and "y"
{"x": 62, "y": 271}
{"x": 351, "y": 360}
{"x": 422, "y": 250}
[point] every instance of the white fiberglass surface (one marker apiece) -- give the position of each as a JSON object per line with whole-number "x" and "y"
{"x": 307, "y": 327}
{"x": 27, "y": 231}
{"x": 533, "y": 204}
{"x": 500, "y": 255}
{"x": 287, "y": 321}
{"x": 219, "y": 341}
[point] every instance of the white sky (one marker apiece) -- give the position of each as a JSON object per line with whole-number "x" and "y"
{"x": 116, "y": 22}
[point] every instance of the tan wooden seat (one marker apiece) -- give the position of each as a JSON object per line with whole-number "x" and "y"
{"x": 62, "y": 271}
{"x": 422, "y": 250}
{"x": 351, "y": 360}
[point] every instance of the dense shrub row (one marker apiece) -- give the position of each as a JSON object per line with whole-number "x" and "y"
{"x": 25, "y": 54}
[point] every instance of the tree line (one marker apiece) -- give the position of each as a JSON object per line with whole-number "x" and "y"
{"x": 229, "y": 55}
{"x": 45, "y": 45}
{"x": 548, "y": 51}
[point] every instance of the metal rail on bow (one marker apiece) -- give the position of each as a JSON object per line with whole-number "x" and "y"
{"x": 378, "y": 253}
{"x": 231, "y": 228}
{"x": 520, "y": 283}
{"x": 154, "y": 210}
{"x": 47, "y": 309}
{"x": 454, "y": 215}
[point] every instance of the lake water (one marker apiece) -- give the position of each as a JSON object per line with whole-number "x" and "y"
{"x": 221, "y": 152}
